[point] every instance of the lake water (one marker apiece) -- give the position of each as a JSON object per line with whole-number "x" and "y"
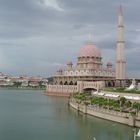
{"x": 29, "y": 115}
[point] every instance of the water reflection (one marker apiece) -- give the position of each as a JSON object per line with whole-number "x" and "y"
{"x": 28, "y": 115}
{"x": 88, "y": 126}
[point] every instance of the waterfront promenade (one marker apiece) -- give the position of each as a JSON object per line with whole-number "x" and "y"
{"x": 111, "y": 115}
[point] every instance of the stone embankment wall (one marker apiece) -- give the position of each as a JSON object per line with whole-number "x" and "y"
{"x": 111, "y": 115}
{"x": 60, "y": 90}
{"x": 66, "y": 90}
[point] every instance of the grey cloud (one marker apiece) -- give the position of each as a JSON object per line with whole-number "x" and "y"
{"x": 32, "y": 37}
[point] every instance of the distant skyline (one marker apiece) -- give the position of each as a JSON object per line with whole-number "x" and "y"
{"x": 38, "y": 36}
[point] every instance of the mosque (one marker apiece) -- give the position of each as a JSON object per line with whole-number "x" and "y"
{"x": 89, "y": 65}
{"x": 89, "y": 71}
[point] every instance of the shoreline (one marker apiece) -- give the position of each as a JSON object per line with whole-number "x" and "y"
{"x": 58, "y": 94}
{"x": 110, "y": 115}
{"x": 20, "y": 88}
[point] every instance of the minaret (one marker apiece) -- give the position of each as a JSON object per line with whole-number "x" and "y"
{"x": 120, "y": 60}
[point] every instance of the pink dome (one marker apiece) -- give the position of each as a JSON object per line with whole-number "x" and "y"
{"x": 109, "y": 64}
{"x": 69, "y": 63}
{"x": 90, "y": 50}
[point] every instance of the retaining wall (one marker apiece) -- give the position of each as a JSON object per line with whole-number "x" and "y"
{"x": 111, "y": 115}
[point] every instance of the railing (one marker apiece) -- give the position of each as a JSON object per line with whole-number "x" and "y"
{"x": 107, "y": 111}
{"x": 102, "y": 110}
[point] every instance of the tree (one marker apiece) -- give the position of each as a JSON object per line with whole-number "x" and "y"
{"x": 122, "y": 101}
{"x": 127, "y": 104}
{"x": 17, "y": 84}
{"x": 136, "y": 106}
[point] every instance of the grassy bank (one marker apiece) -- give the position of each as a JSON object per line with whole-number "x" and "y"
{"x": 121, "y": 104}
{"x": 122, "y": 90}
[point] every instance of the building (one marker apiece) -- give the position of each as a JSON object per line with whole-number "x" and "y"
{"x": 89, "y": 67}
{"x": 89, "y": 71}
{"x": 22, "y": 81}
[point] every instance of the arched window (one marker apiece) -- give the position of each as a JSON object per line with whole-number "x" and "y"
{"x": 71, "y": 83}
{"x": 61, "y": 83}
{"x": 66, "y": 83}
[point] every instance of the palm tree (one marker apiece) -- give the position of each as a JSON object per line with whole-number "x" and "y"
{"x": 128, "y": 104}
{"x": 136, "y": 106}
{"x": 17, "y": 84}
{"x": 122, "y": 102}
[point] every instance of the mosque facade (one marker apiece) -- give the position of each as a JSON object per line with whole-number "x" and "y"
{"x": 90, "y": 66}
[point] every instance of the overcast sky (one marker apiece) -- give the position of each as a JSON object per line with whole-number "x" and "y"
{"x": 38, "y": 36}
